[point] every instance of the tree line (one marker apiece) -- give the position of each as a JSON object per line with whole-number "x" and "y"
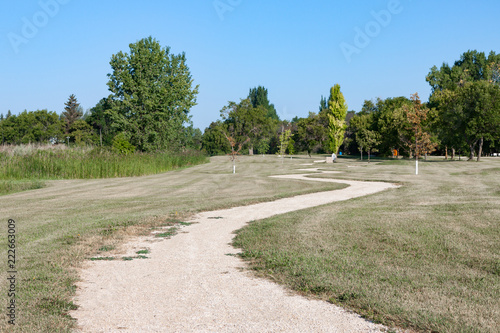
{"x": 461, "y": 117}
{"x": 152, "y": 92}
{"x": 148, "y": 108}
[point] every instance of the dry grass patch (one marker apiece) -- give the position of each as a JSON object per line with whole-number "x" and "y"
{"x": 70, "y": 221}
{"x": 425, "y": 256}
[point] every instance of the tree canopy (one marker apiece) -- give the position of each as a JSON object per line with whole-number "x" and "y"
{"x": 258, "y": 97}
{"x": 152, "y": 95}
{"x": 337, "y": 111}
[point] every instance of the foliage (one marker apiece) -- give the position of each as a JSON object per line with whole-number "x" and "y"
{"x": 337, "y": 111}
{"x": 246, "y": 123}
{"x": 420, "y": 142}
{"x": 258, "y": 97}
{"x": 472, "y": 66}
{"x": 214, "y": 141}
{"x": 191, "y": 138}
{"x": 100, "y": 119}
{"x": 82, "y": 133}
{"x": 122, "y": 145}
{"x": 470, "y": 113}
{"x": 365, "y": 137}
{"x": 309, "y": 134}
{"x": 72, "y": 112}
{"x": 262, "y": 146}
{"x": 152, "y": 95}
{"x": 29, "y": 127}
{"x": 285, "y": 141}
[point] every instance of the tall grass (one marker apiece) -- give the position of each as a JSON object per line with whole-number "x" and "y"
{"x": 88, "y": 163}
{"x": 12, "y": 186}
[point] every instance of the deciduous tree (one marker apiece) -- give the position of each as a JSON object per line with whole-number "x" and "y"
{"x": 247, "y": 123}
{"x": 153, "y": 93}
{"x": 420, "y": 142}
{"x": 337, "y": 111}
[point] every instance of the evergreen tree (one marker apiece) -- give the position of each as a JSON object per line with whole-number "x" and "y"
{"x": 72, "y": 112}
{"x": 323, "y": 104}
{"x": 258, "y": 97}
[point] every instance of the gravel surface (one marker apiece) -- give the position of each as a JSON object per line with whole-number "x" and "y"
{"x": 194, "y": 283}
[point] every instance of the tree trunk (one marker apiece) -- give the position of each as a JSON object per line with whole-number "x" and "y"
{"x": 250, "y": 151}
{"x": 452, "y": 153}
{"x": 471, "y": 151}
{"x": 446, "y": 152}
{"x": 361, "y": 150}
{"x": 480, "y": 149}
{"x": 368, "y": 151}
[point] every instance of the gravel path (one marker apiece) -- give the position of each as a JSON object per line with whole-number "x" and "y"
{"x": 190, "y": 283}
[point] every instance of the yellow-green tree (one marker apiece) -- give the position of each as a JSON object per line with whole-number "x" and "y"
{"x": 337, "y": 111}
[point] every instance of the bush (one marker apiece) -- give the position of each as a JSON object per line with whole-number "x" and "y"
{"x": 122, "y": 145}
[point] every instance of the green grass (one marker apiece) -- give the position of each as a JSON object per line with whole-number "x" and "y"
{"x": 425, "y": 256}
{"x": 89, "y": 163}
{"x": 60, "y": 226}
{"x": 13, "y": 186}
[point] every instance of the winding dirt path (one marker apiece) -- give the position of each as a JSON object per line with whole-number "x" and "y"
{"x": 190, "y": 283}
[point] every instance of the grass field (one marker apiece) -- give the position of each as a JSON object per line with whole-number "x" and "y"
{"x": 424, "y": 257}
{"x": 68, "y": 221}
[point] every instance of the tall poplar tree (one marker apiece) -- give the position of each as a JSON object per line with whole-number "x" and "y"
{"x": 337, "y": 111}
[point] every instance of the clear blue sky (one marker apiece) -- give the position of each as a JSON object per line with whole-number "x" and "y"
{"x": 293, "y": 48}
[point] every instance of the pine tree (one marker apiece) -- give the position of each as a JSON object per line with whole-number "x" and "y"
{"x": 258, "y": 97}
{"x": 72, "y": 112}
{"x": 323, "y": 104}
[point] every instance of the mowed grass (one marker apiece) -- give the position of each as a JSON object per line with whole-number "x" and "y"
{"x": 425, "y": 257}
{"x": 60, "y": 226}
